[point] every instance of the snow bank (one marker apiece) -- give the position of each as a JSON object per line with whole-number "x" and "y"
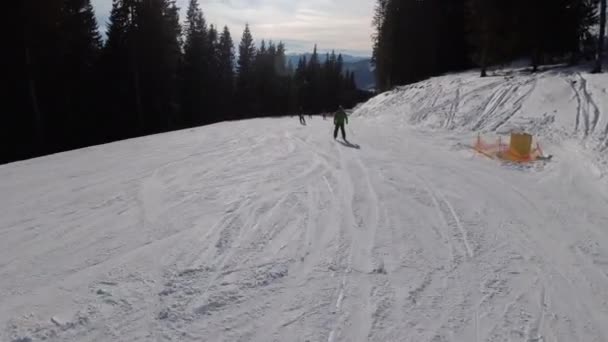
{"x": 555, "y": 105}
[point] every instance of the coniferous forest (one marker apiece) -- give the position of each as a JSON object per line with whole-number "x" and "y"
{"x": 70, "y": 87}
{"x": 415, "y": 39}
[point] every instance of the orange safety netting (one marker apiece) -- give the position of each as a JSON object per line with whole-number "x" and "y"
{"x": 519, "y": 149}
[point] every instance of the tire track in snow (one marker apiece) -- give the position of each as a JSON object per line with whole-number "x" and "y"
{"x": 366, "y": 222}
{"x": 579, "y": 106}
{"x": 447, "y": 214}
{"x": 195, "y": 282}
{"x": 357, "y": 195}
{"x": 537, "y": 325}
{"x": 204, "y": 294}
{"x": 383, "y": 300}
{"x": 546, "y": 260}
{"x": 313, "y": 258}
{"x": 518, "y": 104}
{"x": 395, "y": 293}
{"x": 343, "y": 200}
{"x": 589, "y": 104}
{"x": 425, "y": 310}
{"x": 496, "y": 100}
{"x": 466, "y": 96}
{"x": 585, "y": 105}
{"x": 310, "y": 261}
{"x": 454, "y": 107}
{"x": 377, "y": 289}
{"x": 426, "y": 105}
{"x": 581, "y": 111}
{"x": 437, "y": 206}
{"x": 308, "y": 271}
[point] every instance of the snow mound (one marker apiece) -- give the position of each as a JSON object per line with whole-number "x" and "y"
{"x": 557, "y": 105}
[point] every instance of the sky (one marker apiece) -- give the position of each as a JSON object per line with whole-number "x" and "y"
{"x": 343, "y": 25}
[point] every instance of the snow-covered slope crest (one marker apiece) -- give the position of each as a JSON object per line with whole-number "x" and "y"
{"x": 556, "y": 105}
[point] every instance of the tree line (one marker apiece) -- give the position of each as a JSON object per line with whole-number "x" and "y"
{"x": 69, "y": 88}
{"x": 415, "y": 39}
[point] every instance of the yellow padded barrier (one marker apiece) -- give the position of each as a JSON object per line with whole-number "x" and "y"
{"x": 519, "y": 149}
{"x": 521, "y": 145}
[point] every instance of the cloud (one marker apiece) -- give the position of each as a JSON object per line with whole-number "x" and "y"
{"x": 344, "y": 25}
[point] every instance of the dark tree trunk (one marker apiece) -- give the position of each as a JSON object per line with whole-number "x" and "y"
{"x": 140, "y": 117}
{"x": 600, "y": 40}
{"x": 485, "y": 50}
{"x": 484, "y": 62}
{"x": 38, "y": 126}
{"x": 535, "y": 59}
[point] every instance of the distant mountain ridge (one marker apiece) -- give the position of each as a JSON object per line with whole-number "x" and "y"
{"x": 361, "y": 66}
{"x": 294, "y": 57}
{"x": 364, "y": 74}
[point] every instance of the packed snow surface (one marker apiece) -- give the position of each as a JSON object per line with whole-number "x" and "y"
{"x": 266, "y": 230}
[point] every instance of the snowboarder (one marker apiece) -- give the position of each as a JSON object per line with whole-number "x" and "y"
{"x": 340, "y": 118}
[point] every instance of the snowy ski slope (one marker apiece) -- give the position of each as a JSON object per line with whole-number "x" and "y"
{"x": 265, "y": 230}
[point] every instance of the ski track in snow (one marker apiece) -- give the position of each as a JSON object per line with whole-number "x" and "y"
{"x": 266, "y": 230}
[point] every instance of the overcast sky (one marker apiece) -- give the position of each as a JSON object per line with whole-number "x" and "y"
{"x": 344, "y": 25}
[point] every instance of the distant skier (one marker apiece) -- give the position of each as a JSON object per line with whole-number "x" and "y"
{"x": 340, "y": 119}
{"x": 302, "y": 119}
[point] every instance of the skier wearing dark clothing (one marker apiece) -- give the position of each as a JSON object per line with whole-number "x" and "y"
{"x": 301, "y": 114}
{"x": 340, "y": 119}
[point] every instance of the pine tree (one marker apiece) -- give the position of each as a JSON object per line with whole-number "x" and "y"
{"x": 290, "y": 68}
{"x": 381, "y": 46}
{"x": 300, "y": 87}
{"x": 332, "y": 83}
{"x": 80, "y": 33}
{"x": 486, "y": 26}
{"x": 453, "y": 50}
{"x": 313, "y": 93}
{"x": 196, "y": 30}
{"x": 195, "y": 68}
{"x": 326, "y": 76}
{"x": 157, "y": 55}
{"x": 154, "y": 56}
{"x": 262, "y": 78}
{"x": 81, "y": 45}
{"x": 33, "y": 73}
{"x": 244, "y": 85}
{"x": 122, "y": 106}
{"x": 398, "y": 35}
{"x": 586, "y": 18}
{"x": 433, "y": 28}
{"x": 272, "y": 81}
{"x": 314, "y": 63}
{"x": 282, "y": 83}
{"x": 213, "y": 74}
{"x": 352, "y": 84}
{"x": 226, "y": 72}
{"x": 280, "y": 63}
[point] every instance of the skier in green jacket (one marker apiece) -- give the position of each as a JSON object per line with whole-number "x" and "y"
{"x": 340, "y": 118}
